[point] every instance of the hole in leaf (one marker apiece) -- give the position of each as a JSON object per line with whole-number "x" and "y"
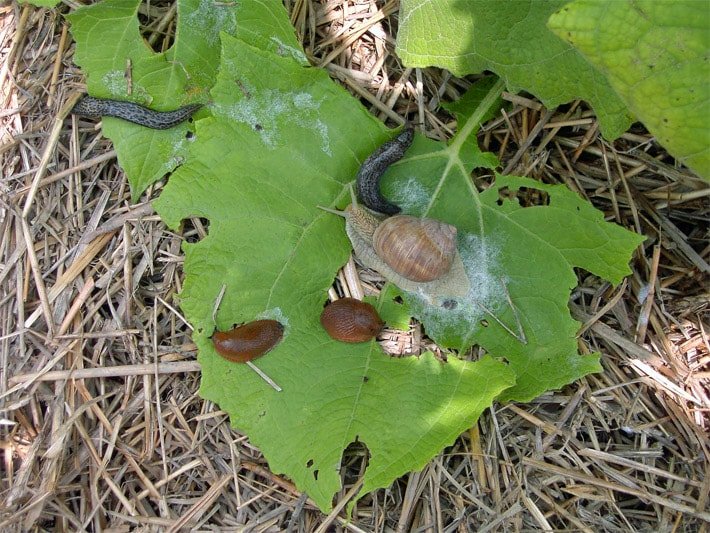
{"x": 398, "y": 300}
{"x": 484, "y": 323}
{"x": 309, "y": 463}
{"x": 151, "y": 16}
{"x": 525, "y": 196}
{"x": 315, "y": 474}
{"x": 195, "y": 229}
{"x": 532, "y": 197}
{"x": 190, "y": 135}
{"x": 450, "y": 304}
{"x": 504, "y": 193}
{"x": 365, "y": 379}
{"x": 355, "y": 459}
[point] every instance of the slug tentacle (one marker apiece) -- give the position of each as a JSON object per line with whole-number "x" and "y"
{"x": 368, "y": 177}
{"x": 89, "y": 106}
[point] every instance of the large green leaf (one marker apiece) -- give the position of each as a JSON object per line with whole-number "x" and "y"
{"x": 272, "y": 153}
{"x": 511, "y": 39}
{"x": 111, "y": 51}
{"x": 297, "y": 142}
{"x": 655, "y": 54}
{"x": 277, "y": 140}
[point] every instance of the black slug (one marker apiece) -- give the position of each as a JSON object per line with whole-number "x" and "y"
{"x": 89, "y": 106}
{"x": 368, "y": 177}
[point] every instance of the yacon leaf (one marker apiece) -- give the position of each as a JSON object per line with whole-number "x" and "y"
{"x": 655, "y": 54}
{"x": 511, "y": 39}
{"x": 120, "y": 65}
{"x": 288, "y": 141}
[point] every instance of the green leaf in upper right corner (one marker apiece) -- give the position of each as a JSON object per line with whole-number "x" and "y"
{"x": 512, "y": 39}
{"x": 656, "y": 56}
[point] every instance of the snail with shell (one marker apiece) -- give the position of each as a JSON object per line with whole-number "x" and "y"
{"x": 416, "y": 254}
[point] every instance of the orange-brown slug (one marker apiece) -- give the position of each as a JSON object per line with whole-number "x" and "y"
{"x": 248, "y": 341}
{"x": 350, "y": 320}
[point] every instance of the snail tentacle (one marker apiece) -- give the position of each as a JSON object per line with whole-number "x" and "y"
{"x": 368, "y": 177}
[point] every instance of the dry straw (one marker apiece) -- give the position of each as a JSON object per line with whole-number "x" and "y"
{"x": 101, "y": 424}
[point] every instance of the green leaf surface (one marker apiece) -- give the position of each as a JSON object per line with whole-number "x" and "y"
{"x": 520, "y": 260}
{"x": 392, "y": 309}
{"x": 655, "y": 54}
{"x": 111, "y": 51}
{"x": 294, "y": 147}
{"x": 291, "y": 140}
{"x": 277, "y": 139}
{"x": 511, "y": 39}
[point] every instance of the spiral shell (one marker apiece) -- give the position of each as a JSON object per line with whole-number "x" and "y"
{"x": 350, "y": 320}
{"x": 419, "y": 249}
{"x": 248, "y": 341}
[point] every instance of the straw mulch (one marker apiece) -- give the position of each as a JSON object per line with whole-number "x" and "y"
{"x": 102, "y": 427}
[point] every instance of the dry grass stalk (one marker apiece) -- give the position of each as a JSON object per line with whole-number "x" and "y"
{"x": 102, "y": 426}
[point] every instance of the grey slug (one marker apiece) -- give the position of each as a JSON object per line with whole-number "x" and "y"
{"x": 368, "y": 177}
{"x": 89, "y": 106}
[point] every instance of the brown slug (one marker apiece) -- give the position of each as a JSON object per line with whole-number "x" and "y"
{"x": 350, "y": 320}
{"x": 248, "y": 341}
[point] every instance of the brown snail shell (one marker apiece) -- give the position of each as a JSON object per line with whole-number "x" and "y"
{"x": 248, "y": 341}
{"x": 420, "y": 249}
{"x": 361, "y": 225}
{"x": 350, "y": 320}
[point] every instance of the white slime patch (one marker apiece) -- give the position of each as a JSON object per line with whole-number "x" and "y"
{"x": 179, "y": 150}
{"x": 210, "y": 18}
{"x": 411, "y": 195}
{"x": 283, "y": 49}
{"x": 116, "y": 83}
{"x": 276, "y": 313}
{"x": 486, "y": 300}
{"x": 262, "y": 110}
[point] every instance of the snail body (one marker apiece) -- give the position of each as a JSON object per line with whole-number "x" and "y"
{"x": 90, "y": 106}
{"x": 248, "y": 341}
{"x": 350, "y": 320}
{"x": 417, "y": 254}
{"x": 361, "y": 227}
